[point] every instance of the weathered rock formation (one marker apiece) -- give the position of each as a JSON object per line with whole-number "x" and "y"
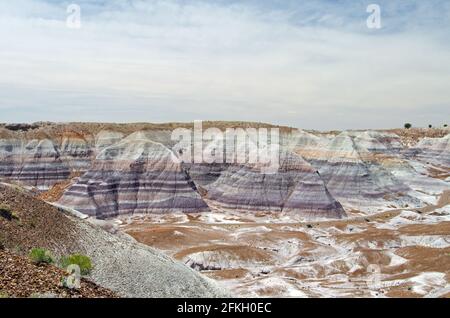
{"x": 296, "y": 187}
{"x": 364, "y": 170}
{"x": 34, "y": 162}
{"x": 434, "y": 150}
{"x": 135, "y": 175}
{"x": 136, "y": 169}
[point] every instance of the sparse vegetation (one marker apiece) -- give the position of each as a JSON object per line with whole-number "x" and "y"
{"x": 41, "y": 256}
{"x": 7, "y": 213}
{"x": 408, "y": 126}
{"x": 430, "y": 126}
{"x": 445, "y": 126}
{"x": 83, "y": 261}
{"x": 20, "y": 278}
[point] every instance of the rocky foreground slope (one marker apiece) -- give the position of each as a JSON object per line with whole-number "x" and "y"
{"x": 109, "y": 170}
{"x": 120, "y": 263}
{"x": 398, "y": 253}
{"x": 19, "y": 277}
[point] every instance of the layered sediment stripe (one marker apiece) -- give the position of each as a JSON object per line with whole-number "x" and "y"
{"x": 140, "y": 174}
{"x": 134, "y": 176}
{"x": 312, "y": 197}
{"x": 351, "y": 170}
{"x": 433, "y": 150}
{"x": 107, "y": 138}
{"x": 378, "y": 142}
{"x": 35, "y": 163}
{"x": 77, "y": 152}
{"x": 295, "y": 187}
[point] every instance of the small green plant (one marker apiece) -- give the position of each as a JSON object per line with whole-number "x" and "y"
{"x": 41, "y": 256}
{"x": 83, "y": 261}
{"x": 3, "y": 295}
{"x": 408, "y": 125}
{"x": 7, "y": 213}
{"x": 430, "y": 126}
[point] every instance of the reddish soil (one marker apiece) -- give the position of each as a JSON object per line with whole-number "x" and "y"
{"x": 413, "y": 135}
{"x": 244, "y": 253}
{"x": 318, "y": 259}
{"x": 56, "y": 192}
{"x": 34, "y": 224}
{"x": 21, "y": 278}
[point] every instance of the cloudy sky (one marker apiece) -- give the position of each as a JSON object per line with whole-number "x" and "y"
{"x": 305, "y": 63}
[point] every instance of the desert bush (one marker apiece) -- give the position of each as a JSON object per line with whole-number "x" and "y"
{"x": 41, "y": 256}
{"x": 408, "y": 125}
{"x": 3, "y": 294}
{"x": 7, "y": 213}
{"x": 83, "y": 261}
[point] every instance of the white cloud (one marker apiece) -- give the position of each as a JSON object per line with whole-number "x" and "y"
{"x": 166, "y": 61}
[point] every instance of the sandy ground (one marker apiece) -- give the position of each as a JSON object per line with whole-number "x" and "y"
{"x": 397, "y": 253}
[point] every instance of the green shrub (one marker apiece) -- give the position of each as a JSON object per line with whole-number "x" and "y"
{"x": 7, "y": 213}
{"x": 41, "y": 256}
{"x": 3, "y": 294}
{"x": 83, "y": 261}
{"x": 408, "y": 125}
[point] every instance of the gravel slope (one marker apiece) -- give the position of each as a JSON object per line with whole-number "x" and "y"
{"x": 136, "y": 270}
{"x": 19, "y": 277}
{"x": 120, "y": 263}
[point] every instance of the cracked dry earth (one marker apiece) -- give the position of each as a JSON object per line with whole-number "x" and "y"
{"x": 398, "y": 253}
